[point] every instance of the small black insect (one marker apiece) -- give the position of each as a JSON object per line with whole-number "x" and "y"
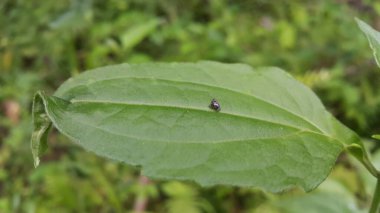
{"x": 215, "y": 105}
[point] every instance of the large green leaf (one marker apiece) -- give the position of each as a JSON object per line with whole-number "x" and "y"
{"x": 272, "y": 132}
{"x": 373, "y": 37}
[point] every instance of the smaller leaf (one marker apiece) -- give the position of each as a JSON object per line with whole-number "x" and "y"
{"x": 376, "y": 137}
{"x": 136, "y": 34}
{"x": 373, "y": 37}
{"x": 331, "y": 196}
{"x": 42, "y": 125}
{"x": 78, "y": 16}
{"x": 317, "y": 202}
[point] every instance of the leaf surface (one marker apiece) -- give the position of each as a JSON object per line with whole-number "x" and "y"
{"x": 272, "y": 132}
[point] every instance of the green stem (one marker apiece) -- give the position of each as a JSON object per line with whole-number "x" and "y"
{"x": 360, "y": 153}
{"x": 370, "y": 167}
{"x": 376, "y": 198}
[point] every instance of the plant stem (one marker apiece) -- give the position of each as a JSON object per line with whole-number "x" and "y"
{"x": 370, "y": 167}
{"x": 360, "y": 153}
{"x": 141, "y": 201}
{"x": 376, "y": 198}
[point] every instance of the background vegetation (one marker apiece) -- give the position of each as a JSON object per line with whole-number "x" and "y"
{"x": 43, "y": 43}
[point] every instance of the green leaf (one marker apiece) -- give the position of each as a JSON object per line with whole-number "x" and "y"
{"x": 42, "y": 125}
{"x": 272, "y": 132}
{"x": 373, "y": 37}
{"x": 136, "y": 34}
{"x": 376, "y": 136}
{"x": 314, "y": 203}
{"x": 77, "y": 17}
{"x": 331, "y": 196}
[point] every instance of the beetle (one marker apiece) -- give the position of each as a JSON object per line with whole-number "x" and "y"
{"x": 215, "y": 105}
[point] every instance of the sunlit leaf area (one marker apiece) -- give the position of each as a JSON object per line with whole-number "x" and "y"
{"x": 318, "y": 43}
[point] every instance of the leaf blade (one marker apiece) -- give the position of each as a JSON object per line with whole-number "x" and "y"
{"x": 156, "y": 115}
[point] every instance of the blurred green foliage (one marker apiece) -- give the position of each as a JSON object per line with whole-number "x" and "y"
{"x": 42, "y": 43}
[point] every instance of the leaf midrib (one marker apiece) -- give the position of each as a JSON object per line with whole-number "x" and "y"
{"x": 207, "y": 85}
{"x": 195, "y": 142}
{"x": 297, "y": 129}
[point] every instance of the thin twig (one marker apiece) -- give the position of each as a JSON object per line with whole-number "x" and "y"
{"x": 141, "y": 201}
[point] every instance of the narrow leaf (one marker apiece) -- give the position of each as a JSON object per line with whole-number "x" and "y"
{"x": 42, "y": 125}
{"x": 376, "y": 136}
{"x": 271, "y": 131}
{"x": 373, "y": 37}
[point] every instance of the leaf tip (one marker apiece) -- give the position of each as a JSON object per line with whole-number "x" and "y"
{"x": 357, "y": 20}
{"x": 36, "y": 161}
{"x": 364, "y": 27}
